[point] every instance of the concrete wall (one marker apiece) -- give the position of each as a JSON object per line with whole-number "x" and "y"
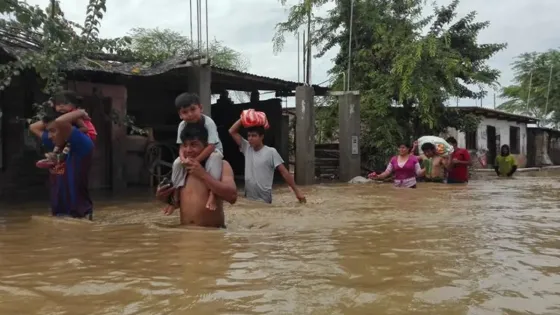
{"x": 136, "y": 171}
{"x": 543, "y": 146}
{"x": 554, "y": 148}
{"x": 502, "y": 137}
{"x": 151, "y": 107}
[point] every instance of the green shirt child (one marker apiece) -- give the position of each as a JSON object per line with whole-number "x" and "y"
{"x": 505, "y": 163}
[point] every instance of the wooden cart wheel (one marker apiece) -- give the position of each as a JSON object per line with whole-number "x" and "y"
{"x": 159, "y": 159}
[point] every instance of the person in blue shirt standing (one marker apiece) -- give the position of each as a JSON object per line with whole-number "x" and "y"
{"x": 69, "y": 178}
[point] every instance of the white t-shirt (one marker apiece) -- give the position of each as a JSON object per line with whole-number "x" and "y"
{"x": 210, "y": 125}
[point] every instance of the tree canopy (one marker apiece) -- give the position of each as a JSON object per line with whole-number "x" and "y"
{"x": 160, "y": 44}
{"x": 406, "y": 66}
{"x": 49, "y": 42}
{"x": 528, "y": 94}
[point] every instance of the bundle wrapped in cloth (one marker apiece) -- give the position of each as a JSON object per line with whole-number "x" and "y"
{"x": 253, "y": 118}
{"x": 442, "y": 147}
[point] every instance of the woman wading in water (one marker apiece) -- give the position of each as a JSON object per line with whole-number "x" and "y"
{"x": 405, "y": 167}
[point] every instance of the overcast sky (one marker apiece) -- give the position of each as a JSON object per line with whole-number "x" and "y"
{"x": 248, "y": 26}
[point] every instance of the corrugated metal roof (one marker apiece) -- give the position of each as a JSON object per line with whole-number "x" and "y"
{"x": 123, "y": 68}
{"x": 544, "y": 129}
{"x": 174, "y": 66}
{"x": 498, "y": 113}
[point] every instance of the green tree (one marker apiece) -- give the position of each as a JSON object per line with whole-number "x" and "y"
{"x": 404, "y": 74}
{"x": 528, "y": 95}
{"x": 160, "y": 44}
{"x": 49, "y": 42}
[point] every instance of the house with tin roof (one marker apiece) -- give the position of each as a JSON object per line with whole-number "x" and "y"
{"x": 495, "y": 129}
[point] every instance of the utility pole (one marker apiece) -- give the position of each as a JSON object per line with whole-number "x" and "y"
{"x": 350, "y": 42}
{"x": 309, "y": 46}
{"x": 192, "y": 37}
{"x": 529, "y": 92}
{"x": 298, "y": 58}
{"x": 207, "y": 41}
{"x": 304, "y": 58}
{"x": 547, "y": 95}
{"x": 53, "y": 9}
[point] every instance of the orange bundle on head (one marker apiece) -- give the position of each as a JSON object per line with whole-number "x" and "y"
{"x": 253, "y": 118}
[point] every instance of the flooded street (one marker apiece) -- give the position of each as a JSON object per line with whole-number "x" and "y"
{"x": 492, "y": 247}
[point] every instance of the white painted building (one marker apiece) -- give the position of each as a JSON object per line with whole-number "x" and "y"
{"x": 495, "y": 129}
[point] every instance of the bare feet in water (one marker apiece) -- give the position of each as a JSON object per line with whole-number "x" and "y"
{"x": 211, "y": 203}
{"x": 174, "y": 204}
{"x": 168, "y": 210}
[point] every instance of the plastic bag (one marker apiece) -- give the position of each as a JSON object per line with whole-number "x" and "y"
{"x": 442, "y": 147}
{"x": 253, "y": 118}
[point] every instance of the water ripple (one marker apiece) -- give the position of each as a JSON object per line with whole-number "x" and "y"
{"x": 492, "y": 247}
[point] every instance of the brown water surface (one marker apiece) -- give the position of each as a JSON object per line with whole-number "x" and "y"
{"x": 492, "y": 247}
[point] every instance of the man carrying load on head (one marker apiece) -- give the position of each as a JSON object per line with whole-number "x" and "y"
{"x": 434, "y": 155}
{"x": 260, "y": 160}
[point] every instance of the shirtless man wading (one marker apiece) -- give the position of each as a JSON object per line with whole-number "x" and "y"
{"x": 194, "y": 195}
{"x": 433, "y": 164}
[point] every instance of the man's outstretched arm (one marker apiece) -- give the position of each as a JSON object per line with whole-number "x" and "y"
{"x": 291, "y": 182}
{"x": 224, "y": 188}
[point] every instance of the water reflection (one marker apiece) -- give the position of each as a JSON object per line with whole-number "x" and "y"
{"x": 492, "y": 247}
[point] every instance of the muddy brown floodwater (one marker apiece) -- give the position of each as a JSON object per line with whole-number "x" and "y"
{"x": 492, "y": 247}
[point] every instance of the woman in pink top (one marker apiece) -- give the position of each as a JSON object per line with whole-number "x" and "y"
{"x": 405, "y": 167}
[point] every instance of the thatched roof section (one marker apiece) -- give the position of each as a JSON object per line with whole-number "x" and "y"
{"x": 110, "y": 63}
{"x": 176, "y": 66}
{"x": 134, "y": 68}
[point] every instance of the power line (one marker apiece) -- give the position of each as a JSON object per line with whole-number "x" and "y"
{"x": 548, "y": 93}
{"x": 327, "y": 80}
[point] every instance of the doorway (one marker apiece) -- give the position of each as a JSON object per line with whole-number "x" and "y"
{"x": 99, "y": 109}
{"x": 491, "y": 144}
